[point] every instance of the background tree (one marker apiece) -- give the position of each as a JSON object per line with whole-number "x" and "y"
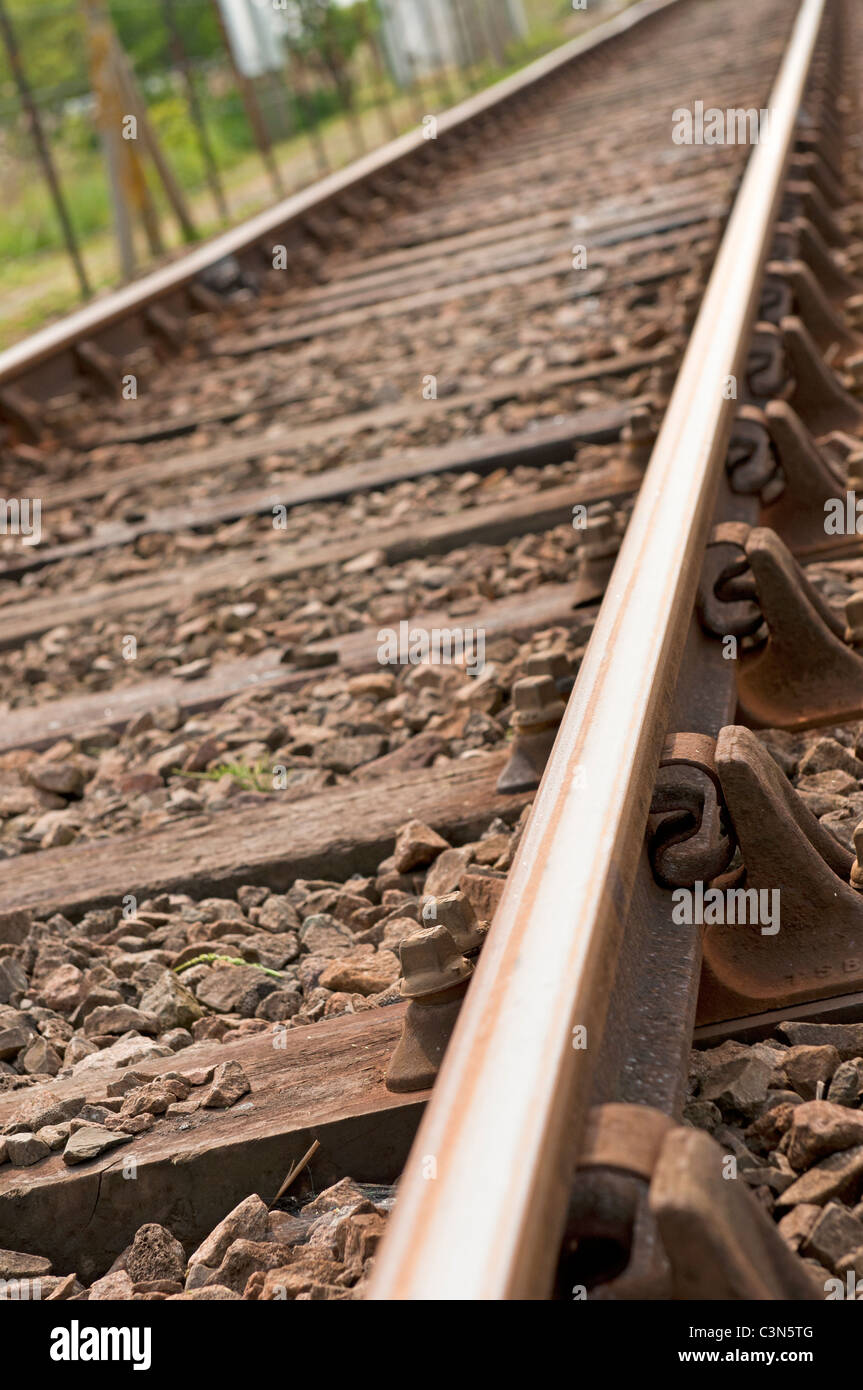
{"x": 328, "y": 37}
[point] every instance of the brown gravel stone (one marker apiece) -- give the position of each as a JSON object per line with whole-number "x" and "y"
{"x": 416, "y": 844}
{"x": 229, "y": 1084}
{"x": 14, "y": 1264}
{"x": 362, "y": 974}
{"x": 805, "y": 1066}
{"x": 839, "y": 1176}
{"x": 210, "y": 1293}
{"x": 91, "y": 1142}
{"x": 244, "y": 1258}
{"x": 248, "y": 1221}
{"x": 112, "y": 1286}
{"x": 155, "y": 1255}
{"x": 834, "y": 1233}
{"x": 847, "y": 1038}
{"x": 797, "y": 1224}
{"x": 765, "y": 1133}
{"x": 819, "y": 1128}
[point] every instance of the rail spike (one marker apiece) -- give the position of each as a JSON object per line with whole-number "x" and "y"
{"x": 802, "y": 674}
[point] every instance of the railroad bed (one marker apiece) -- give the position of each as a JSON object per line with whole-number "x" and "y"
{"x": 313, "y": 597}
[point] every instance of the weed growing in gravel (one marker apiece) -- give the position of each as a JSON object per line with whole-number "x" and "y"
{"x": 251, "y": 776}
{"x": 211, "y": 957}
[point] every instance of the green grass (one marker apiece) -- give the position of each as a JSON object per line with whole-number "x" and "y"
{"x": 211, "y": 957}
{"x": 251, "y": 776}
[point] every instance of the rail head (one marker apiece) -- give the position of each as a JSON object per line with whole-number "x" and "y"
{"x": 503, "y": 1123}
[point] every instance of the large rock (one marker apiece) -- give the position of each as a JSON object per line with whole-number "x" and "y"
{"x": 346, "y": 754}
{"x": 796, "y": 1225}
{"x": 447, "y": 871}
{"x": 39, "y": 1058}
{"x": 765, "y": 1133}
{"x": 235, "y": 989}
{"x": 248, "y": 1220}
{"x": 825, "y": 755}
{"x": 13, "y": 979}
{"x": 44, "y": 1108}
{"x": 806, "y": 1067}
{"x": 62, "y": 778}
{"x": 341, "y": 1194}
{"x": 23, "y": 1150}
{"x": 835, "y": 1233}
{"x": 819, "y": 1128}
{"x": 124, "y": 1053}
{"x": 308, "y": 1268}
{"x": 362, "y": 973}
{"x": 91, "y": 1142}
{"x": 417, "y": 845}
{"x": 847, "y": 1038}
{"x": 324, "y": 935}
{"x": 170, "y": 1003}
{"x": 117, "y": 1019}
{"x": 278, "y": 914}
{"x": 847, "y": 1084}
{"x": 229, "y": 1084}
{"x": 154, "y": 1097}
{"x": 739, "y": 1084}
{"x": 155, "y": 1254}
{"x": 839, "y": 1176}
{"x": 243, "y": 1258}
{"x": 14, "y": 1264}
{"x": 115, "y": 1286}
{"x": 62, "y": 988}
{"x": 13, "y": 1039}
{"x": 280, "y": 1005}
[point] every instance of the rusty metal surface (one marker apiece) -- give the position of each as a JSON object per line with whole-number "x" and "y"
{"x": 812, "y": 944}
{"x": 624, "y": 1136}
{"x": 803, "y": 674}
{"x": 719, "y": 1242}
{"x": 511, "y": 1096}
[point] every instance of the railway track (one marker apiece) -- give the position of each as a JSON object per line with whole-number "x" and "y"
{"x": 440, "y": 557}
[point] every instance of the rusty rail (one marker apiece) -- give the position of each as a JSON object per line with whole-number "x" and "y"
{"x": 483, "y": 1198}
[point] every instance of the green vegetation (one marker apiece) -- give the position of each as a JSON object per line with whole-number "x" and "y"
{"x": 331, "y": 80}
{"x": 253, "y": 776}
{"x": 210, "y": 958}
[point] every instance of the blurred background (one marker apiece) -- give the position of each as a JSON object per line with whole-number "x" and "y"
{"x": 131, "y": 128}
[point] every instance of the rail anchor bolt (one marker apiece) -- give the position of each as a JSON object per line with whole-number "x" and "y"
{"x": 435, "y": 977}
{"x": 536, "y": 718}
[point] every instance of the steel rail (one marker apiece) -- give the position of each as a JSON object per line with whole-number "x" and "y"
{"x": 482, "y": 1202}
{"x": 23, "y": 357}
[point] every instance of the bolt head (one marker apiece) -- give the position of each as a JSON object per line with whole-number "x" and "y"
{"x": 554, "y": 664}
{"x": 431, "y": 962}
{"x": 454, "y": 911}
{"x": 532, "y": 694}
